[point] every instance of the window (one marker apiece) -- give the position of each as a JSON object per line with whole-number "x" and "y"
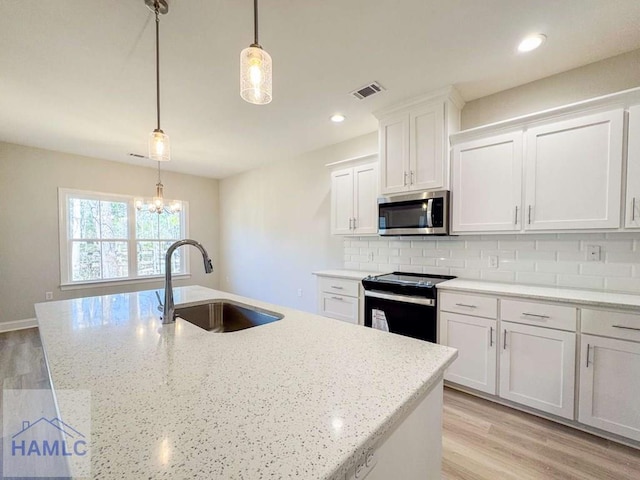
{"x": 105, "y": 238}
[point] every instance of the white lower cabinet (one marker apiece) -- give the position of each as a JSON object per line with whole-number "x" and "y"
{"x": 341, "y": 298}
{"x": 537, "y": 367}
{"x": 525, "y": 351}
{"x": 609, "y": 372}
{"x": 475, "y": 339}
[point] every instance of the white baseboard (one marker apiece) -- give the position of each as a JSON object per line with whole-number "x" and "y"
{"x": 18, "y": 324}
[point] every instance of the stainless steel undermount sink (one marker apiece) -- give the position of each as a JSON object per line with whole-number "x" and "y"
{"x": 221, "y": 316}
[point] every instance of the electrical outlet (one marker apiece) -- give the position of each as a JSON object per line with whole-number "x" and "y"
{"x": 299, "y": 292}
{"x": 48, "y": 295}
{"x": 493, "y": 261}
{"x": 594, "y": 253}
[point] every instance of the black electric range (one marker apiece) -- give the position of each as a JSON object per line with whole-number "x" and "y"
{"x": 403, "y": 303}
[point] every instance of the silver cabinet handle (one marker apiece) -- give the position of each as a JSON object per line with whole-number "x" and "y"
{"x": 465, "y": 305}
{"x": 588, "y": 347}
{"x": 505, "y": 339}
{"x": 337, "y": 287}
{"x": 516, "y": 220}
{"x": 633, "y": 210}
{"x": 529, "y": 221}
{"x": 490, "y": 336}
{"x": 405, "y": 178}
{"x": 535, "y": 315}
{"x": 626, "y": 328}
{"x": 338, "y": 298}
{"x": 411, "y": 177}
{"x": 355, "y": 223}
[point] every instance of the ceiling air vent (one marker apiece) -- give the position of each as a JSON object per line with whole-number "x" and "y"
{"x": 368, "y": 90}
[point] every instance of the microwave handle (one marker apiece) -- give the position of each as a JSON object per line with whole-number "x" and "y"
{"x": 430, "y": 213}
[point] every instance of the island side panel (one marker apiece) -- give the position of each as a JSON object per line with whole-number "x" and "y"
{"x": 413, "y": 450}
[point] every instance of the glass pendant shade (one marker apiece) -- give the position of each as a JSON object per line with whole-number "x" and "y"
{"x": 159, "y": 146}
{"x": 255, "y": 75}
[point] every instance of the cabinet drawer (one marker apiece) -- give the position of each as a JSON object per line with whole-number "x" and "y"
{"x": 539, "y": 314}
{"x": 625, "y": 326}
{"x": 469, "y": 304}
{"x": 340, "y": 286}
{"x": 340, "y": 307}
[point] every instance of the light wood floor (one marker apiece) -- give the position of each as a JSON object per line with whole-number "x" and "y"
{"x": 482, "y": 440}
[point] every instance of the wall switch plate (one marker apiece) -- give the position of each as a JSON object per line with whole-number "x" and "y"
{"x": 493, "y": 261}
{"x": 48, "y": 295}
{"x": 594, "y": 253}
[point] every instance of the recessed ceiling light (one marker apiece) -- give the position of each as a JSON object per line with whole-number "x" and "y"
{"x": 531, "y": 42}
{"x": 337, "y": 118}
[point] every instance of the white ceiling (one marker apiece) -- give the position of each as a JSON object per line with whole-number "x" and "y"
{"x": 78, "y": 76}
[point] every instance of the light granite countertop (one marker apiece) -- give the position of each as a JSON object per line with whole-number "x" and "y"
{"x": 348, "y": 274}
{"x": 595, "y": 298}
{"x": 302, "y": 397}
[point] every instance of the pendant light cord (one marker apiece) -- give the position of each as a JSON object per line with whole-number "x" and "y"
{"x": 157, "y": 8}
{"x": 255, "y": 22}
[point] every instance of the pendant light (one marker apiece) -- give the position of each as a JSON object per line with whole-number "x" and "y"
{"x": 159, "y": 147}
{"x": 255, "y": 69}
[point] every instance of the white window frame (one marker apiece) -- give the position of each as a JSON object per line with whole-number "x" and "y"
{"x": 65, "y": 243}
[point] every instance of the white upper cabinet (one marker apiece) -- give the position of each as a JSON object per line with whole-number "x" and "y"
{"x": 354, "y": 193}
{"x": 544, "y": 174}
{"x": 632, "y": 210}
{"x": 414, "y": 143}
{"x": 573, "y": 173}
{"x": 487, "y": 184}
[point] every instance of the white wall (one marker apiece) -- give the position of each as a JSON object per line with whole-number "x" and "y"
{"x": 274, "y": 226}
{"x": 29, "y": 245}
{"x": 596, "y": 79}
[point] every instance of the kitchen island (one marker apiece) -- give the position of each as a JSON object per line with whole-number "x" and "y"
{"x": 303, "y": 397}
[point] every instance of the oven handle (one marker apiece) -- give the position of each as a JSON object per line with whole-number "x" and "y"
{"x": 429, "y": 302}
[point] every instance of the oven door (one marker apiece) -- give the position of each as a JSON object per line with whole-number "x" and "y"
{"x": 410, "y": 316}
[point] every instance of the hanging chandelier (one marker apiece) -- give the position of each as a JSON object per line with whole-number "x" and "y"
{"x": 158, "y": 203}
{"x": 255, "y": 69}
{"x": 159, "y": 147}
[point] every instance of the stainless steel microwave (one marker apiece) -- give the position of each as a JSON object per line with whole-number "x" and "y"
{"x": 424, "y": 213}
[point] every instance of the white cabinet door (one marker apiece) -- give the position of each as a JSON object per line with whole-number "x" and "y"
{"x": 537, "y": 368}
{"x": 610, "y": 385}
{"x": 426, "y": 151}
{"x": 475, "y": 338}
{"x": 365, "y": 193}
{"x": 340, "y": 307}
{"x": 573, "y": 172}
{"x": 394, "y": 153}
{"x": 632, "y": 208}
{"x": 487, "y": 184}
{"x": 342, "y": 201}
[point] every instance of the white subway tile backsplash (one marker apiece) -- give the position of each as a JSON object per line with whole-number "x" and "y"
{"x": 516, "y": 265}
{"x": 580, "y": 281}
{"x": 606, "y": 269}
{"x": 450, "y": 262}
{"x": 535, "y": 255}
{"x": 535, "y": 278}
{"x": 623, "y": 284}
{"x": 613, "y": 245}
{"x": 558, "y": 245}
{"x": 558, "y": 267}
{"x": 516, "y": 244}
{"x": 496, "y": 276}
{"x": 538, "y": 259}
{"x": 410, "y": 252}
{"x": 423, "y": 261}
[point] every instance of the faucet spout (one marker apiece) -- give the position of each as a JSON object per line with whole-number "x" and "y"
{"x": 168, "y": 312}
